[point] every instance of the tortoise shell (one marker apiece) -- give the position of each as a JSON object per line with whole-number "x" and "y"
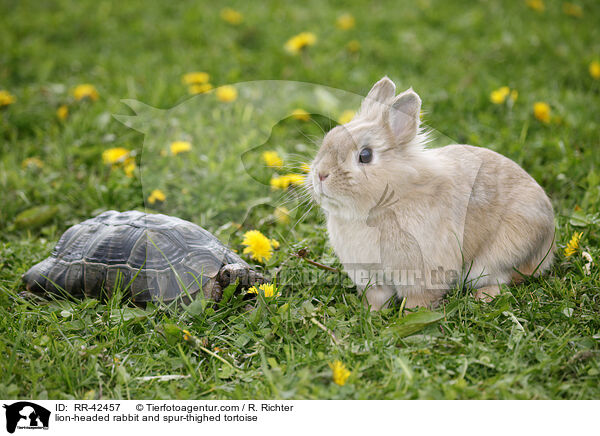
{"x": 153, "y": 256}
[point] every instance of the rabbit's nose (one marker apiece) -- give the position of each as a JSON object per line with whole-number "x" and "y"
{"x": 323, "y": 176}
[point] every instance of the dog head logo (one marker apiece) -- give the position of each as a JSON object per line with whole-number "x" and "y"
{"x": 26, "y": 415}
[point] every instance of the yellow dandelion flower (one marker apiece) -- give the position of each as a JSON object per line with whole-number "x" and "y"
{"x": 156, "y": 195}
{"x": 353, "y": 46}
{"x": 226, "y": 93}
{"x": 297, "y": 43}
{"x": 536, "y": 5}
{"x": 573, "y": 244}
{"x": 272, "y": 159}
{"x": 202, "y": 88}
{"x": 572, "y": 10}
{"x": 346, "y": 116}
{"x": 275, "y": 244}
{"x": 284, "y": 182}
{"x": 499, "y": 95}
{"x": 186, "y": 335}
{"x": 295, "y": 179}
{"x": 268, "y": 290}
{"x": 541, "y": 111}
{"x": 278, "y": 182}
{"x": 345, "y": 22}
{"x": 595, "y": 69}
{"x": 6, "y": 98}
{"x": 62, "y": 112}
{"x": 258, "y": 246}
{"x": 129, "y": 168}
{"x": 84, "y": 91}
{"x": 231, "y": 16}
{"x": 180, "y": 147}
{"x": 300, "y": 114}
{"x": 305, "y": 168}
{"x": 195, "y": 78}
{"x": 32, "y": 162}
{"x": 115, "y": 155}
{"x": 282, "y": 215}
{"x": 340, "y": 373}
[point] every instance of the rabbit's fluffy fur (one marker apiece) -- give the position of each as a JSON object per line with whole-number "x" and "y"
{"x": 414, "y": 221}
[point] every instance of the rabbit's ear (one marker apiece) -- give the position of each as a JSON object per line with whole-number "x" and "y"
{"x": 404, "y": 116}
{"x": 379, "y": 93}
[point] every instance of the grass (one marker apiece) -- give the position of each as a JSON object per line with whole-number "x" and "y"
{"x": 536, "y": 341}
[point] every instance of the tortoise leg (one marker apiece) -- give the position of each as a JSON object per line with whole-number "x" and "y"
{"x": 31, "y": 296}
{"x": 217, "y": 292}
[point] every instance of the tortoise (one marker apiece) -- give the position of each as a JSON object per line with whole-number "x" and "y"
{"x": 155, "y": 257}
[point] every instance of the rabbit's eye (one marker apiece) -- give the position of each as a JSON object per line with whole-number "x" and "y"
{"x": 365, "y": 155}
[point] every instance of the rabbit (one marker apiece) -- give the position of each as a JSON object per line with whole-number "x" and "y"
{"x": 411, "y": 222}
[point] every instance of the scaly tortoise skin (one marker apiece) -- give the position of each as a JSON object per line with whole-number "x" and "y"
{"x": 158, "y": 254}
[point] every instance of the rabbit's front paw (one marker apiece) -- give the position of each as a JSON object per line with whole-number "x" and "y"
{"x": 487, "y": 293}
{"x": 378, "y": 297}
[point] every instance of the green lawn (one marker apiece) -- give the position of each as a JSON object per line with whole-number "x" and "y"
{"x": 538, "y": 340}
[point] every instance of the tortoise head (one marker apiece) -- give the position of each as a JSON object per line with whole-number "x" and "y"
{"x": 238, "y": 271}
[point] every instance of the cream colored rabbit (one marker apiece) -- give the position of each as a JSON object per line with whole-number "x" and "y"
{"x": 409, "y": 221}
